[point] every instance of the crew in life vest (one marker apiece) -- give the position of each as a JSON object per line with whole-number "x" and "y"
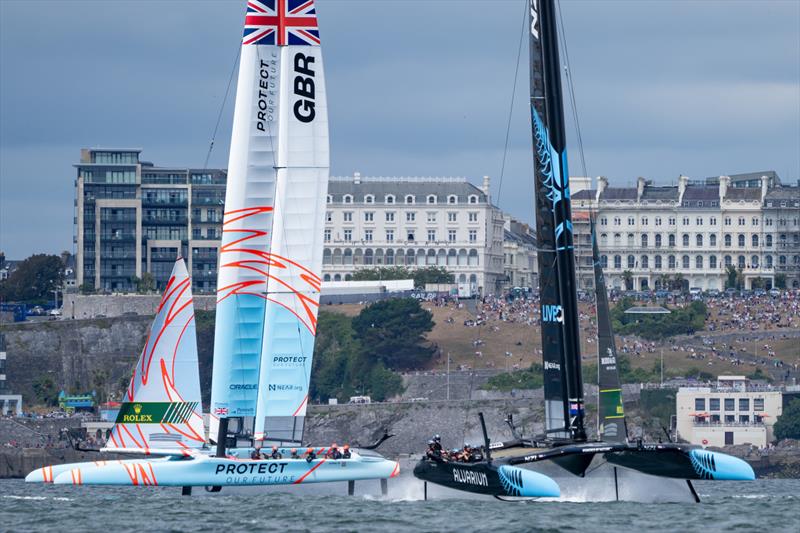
{"x": 333, "y": 452}
{"x": 346, "y": 452}
{"x": 294, "y": 454}
{"x": 275, "y": 453}
{"x": 310, "y": 455}
{"x": 256, "y": 454}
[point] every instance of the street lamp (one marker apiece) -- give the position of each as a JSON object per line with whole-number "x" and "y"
{"x": 651, "y": 310}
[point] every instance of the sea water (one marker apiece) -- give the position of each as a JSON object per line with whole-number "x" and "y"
{"x": 762, "y": 505}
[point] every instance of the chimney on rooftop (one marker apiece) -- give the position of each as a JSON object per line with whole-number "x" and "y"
{"x": 640, "y": 183}
{"x": 485, "y": 187}
{"x": 356, "y": 177}
{"x": 724, "y": 182}
{"x": 682, "y": 182}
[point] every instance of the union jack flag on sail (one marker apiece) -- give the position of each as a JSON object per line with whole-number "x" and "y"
{"x": 281, "y": 22}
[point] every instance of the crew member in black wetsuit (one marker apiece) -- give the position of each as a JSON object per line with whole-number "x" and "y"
{"x": 437, "y": 443}
{"x": 276, "y": 454}
{"x": 310, "y": 455}
{"x": 333, "y": 452}
{"x": 256, "y": 454}
{"x": 294, "y": 454}
{"x": 346, "y": 452}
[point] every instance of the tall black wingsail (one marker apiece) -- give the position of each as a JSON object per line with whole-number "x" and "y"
{"x": 560, "y": 334}
{"x": 611, "y": 415}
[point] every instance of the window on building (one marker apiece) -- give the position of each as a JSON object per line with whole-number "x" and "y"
{"x": 699, "y": 239}
{"x": 617, "y": 261}
{"x": 658, "y": 221}
{"x": 741, "y": 221}
{"x": 644, "y": 221}
{"x": 685, "y": 261}
{"x": 755, "y": 221}
{"x": 389, "y": 235}
{"x": 729, "y": 419}
{"x": 671, "y": 241}
{"x": 452, "y": 199}
{"x": 754, "y": 240}
{"x": 431, "y": 217}
{"x": 645, "y": 261}
{"x": 431, "y": 235}
{"x": 368, "y": 235}
{"x": 712, "y": 240}
{"x": 644, "y": 240}
{"x": 409, "y": 198}
{"x": 712, "y": 221}
{"x": 758, "y": 404}
{"x": 671, "y": 261}
{"x": 631, "y": 221}
{"x": 730, "y": 404}
{"x": 657, "y": 261}
{"x": 369, "y": 216}
{"x": 699, "y": 221}
{"x": 741, "y": 261}
{"x": 328, "y": 216}
{"x": 685, "y": 221}
{"x": 348, "y": 216}
{"x": 631, "y": 261}
{"x": 712, "y": 262}
{"x": 410, "y": 235}
{"x": 348, "y": 235}
{"x": 744, "y": 404}
{"x": 617, "y": 221}
{"x": 728, "y": 261}
{"x": 713, "y": 404}
{"x": 728, "y": 240}
{"x": 473, "y": 216}
{"x": 452, "y": 216}
{"x": 769, "y": 261}
{"x": 671, "y": 221}
{"x": 754, "y": 261}
{"x": 431, "y": 199}
{"x": 744, "y": 419}
{"x": 473, "y": 199}
{"x": 369, "y": 199}
{"x": 630, "y": 240}
{"x": 390, "y": 216}
{"x": 658, "y": 240}
{"x": 699, "y": 404}
{"x": 451, "y": 235}
{"x": 411, "y": 216}
{"x": 327, "y": 235}
{"x": 768, "y": 241}
{"x": 782, "y": 260}
{"x": 768, "y": 222}
{"x": 389, "y": 198}
{"x": 685, "y": 239}
{"x": 348, "y": 199}
{"x": 603, "y": 221}
{"x": 740, "y": 240}
{"x": 698, "y": 262}
{"x": 604, "y": 261}
{"x": 473, "y": 235}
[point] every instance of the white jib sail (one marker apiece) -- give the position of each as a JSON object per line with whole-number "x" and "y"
{"x": 162, "y": 406}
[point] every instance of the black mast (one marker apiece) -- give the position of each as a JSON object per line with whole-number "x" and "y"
{"x": 557, "y": 287}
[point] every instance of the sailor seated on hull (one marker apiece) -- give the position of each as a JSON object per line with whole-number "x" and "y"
{"x": 467, "y": 454}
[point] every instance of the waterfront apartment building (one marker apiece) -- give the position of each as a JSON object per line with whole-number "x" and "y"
{"x": 732, "y": 412}
{"x": 133, "y": 217}
{"x": 694, "y": 230}
{"x": 520, "y": 265}
{"x": 414, "y": 222}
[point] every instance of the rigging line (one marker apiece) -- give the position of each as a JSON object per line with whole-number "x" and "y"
{"x": 572, "y": 100}
{"x": 222, "y": 107}
{"x": 513, "y": 96}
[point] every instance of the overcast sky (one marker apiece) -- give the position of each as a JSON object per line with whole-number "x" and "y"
{"x": 415, "y": 88}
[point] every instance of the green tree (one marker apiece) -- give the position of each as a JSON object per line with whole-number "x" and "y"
{"x": 730, "y": 277}
{"x": 146, "y": 284}
{"x": 34, "y": 280}
{"x": 432, "y": 274}
{"x": 46, "y": 391}
{"x": 393, "y": 332}
{"x": 680, "y": 321}
{"x": 758, "y": 283}
{"x": 421, "y": 276}
{"x": 627, "y": 277}
{"x": 529, "y": 378}
{"x": 788, "y": 424}
{"x": 780, "y": 281}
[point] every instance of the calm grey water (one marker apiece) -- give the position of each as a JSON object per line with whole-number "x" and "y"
{"x": 763, "y": 505}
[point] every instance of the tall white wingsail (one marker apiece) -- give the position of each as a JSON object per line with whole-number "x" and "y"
{"x": 162, "y": 406}
{"x": 271, "y": 255}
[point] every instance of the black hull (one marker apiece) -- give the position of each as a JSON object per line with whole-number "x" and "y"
{"x": 486, "y": 478}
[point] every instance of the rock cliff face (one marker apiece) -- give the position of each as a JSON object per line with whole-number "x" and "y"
{"x": 72, "y": 352}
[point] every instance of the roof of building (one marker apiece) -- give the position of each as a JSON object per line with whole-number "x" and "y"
{"x": 743, "y": 193}
{"x": 700, "y": 195}
{"x": 518, "y": 237}
{"x": 421, "y": 188}
{"x": 783, "y": 193}
{"x": 619, "y": 193}
{"x": 653, "y": 193}
{"x": 585, "y": 194}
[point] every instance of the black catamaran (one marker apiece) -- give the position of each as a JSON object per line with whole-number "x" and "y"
{"x": 565, "y": 441}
